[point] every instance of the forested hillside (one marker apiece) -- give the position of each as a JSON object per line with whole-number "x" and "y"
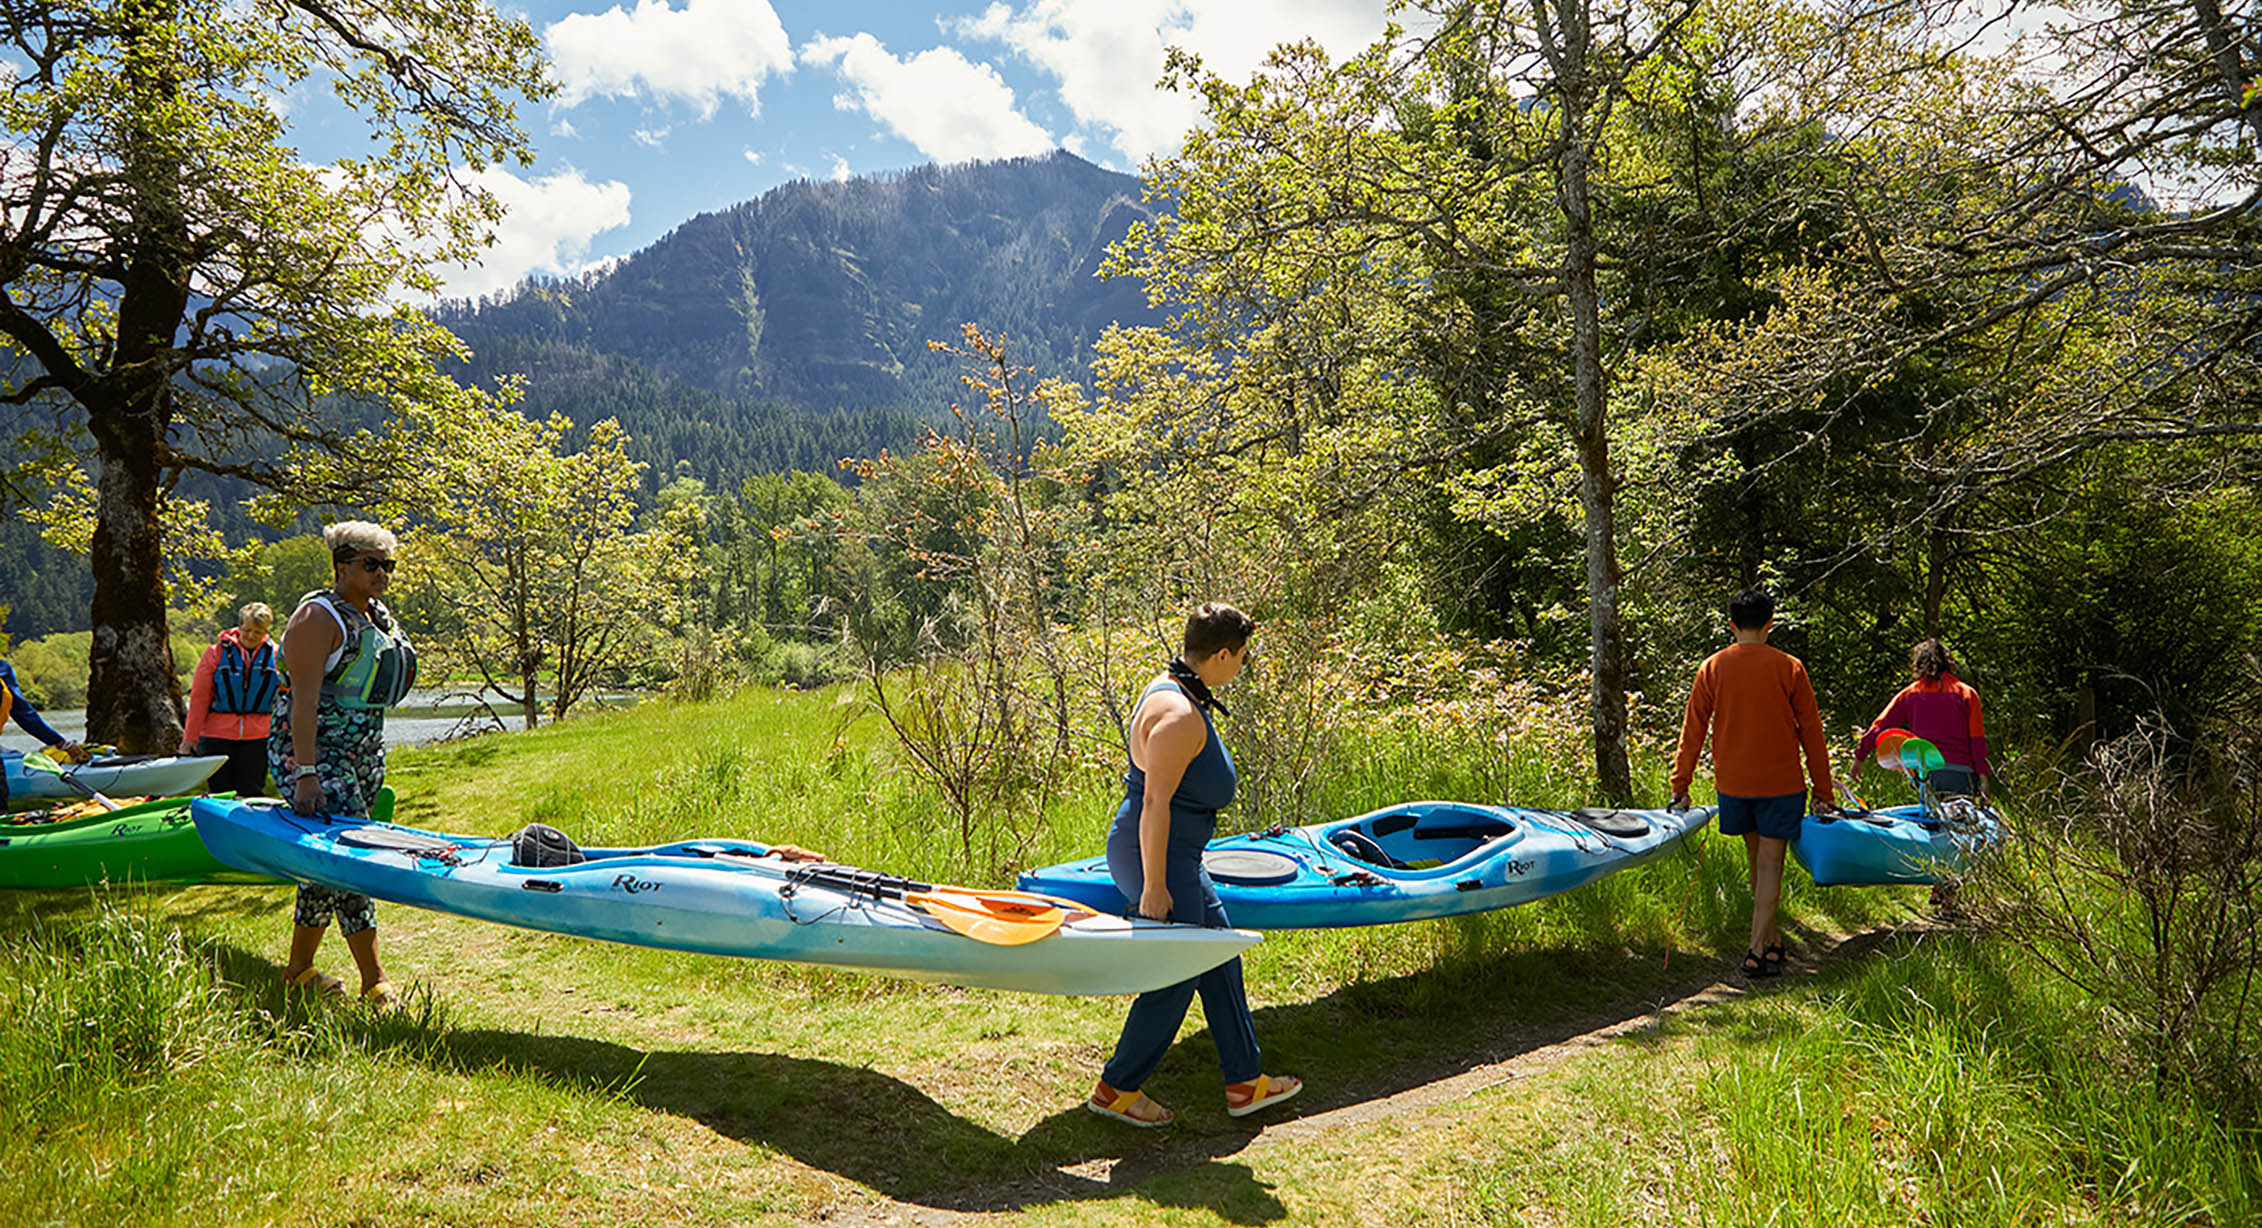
{"x": 824, "y": 296}
{"x": 783, "y": 334}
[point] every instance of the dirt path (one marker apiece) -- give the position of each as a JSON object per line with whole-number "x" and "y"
{"x": 1508, "y": 1057}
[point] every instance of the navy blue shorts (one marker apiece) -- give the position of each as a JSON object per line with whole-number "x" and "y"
{"x": 1954, "y": 780}
{"x": 1776, "y": 818}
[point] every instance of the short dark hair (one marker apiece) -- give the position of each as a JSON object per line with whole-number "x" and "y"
{"x": 1930, "y": 659}
{"x": 1750, "y": 609}
{"x": 1215, "y": 626}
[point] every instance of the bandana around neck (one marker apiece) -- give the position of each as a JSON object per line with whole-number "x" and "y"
{"x": 1184, "y": 675}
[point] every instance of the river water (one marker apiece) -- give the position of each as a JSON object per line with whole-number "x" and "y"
{"x": 425, "y": 716}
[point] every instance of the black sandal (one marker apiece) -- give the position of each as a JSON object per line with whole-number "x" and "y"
{"x": 1772, "y": 957}
{"x": 1756, "y": 966}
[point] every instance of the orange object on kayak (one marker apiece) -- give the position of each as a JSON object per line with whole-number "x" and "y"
{"x": 1001, "y": 918}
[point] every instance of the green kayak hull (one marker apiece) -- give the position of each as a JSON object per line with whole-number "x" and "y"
{"x": 152, "y": 842}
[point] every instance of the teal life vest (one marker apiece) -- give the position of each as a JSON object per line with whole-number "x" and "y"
{"x": 376, "y": 666}
{"x": 245, "y": 685}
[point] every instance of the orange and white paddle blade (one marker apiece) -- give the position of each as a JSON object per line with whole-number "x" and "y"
{"x": 1000, "y": 918}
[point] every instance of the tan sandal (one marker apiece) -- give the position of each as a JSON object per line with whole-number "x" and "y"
{"x": 382, "y": 994}
{"x": 1108, "y": 1102}
{"x": 1262, "y": 1092}
{"x": 310, "y": 978}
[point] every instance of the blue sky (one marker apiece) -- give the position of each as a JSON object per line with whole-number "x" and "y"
{"x": 673, "y": 107}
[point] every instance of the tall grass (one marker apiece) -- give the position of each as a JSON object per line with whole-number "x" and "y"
{"x": 1942, "y": 1083}
{"x": 129, "y": 1064}
{"x": 153, "y": 1071}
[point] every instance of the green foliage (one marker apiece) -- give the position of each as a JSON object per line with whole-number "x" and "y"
{"x": 984, "y": 706}
{"x": 677, "y": 428}
{"x": 52, "y": 669}
{"x": 186, "y": 292}
{"x": 528, "y": 568}
{"x": 550, "y": 1077}
{"x": 279, "y": 573}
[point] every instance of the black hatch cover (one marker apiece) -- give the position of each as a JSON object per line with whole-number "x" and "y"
{"x": 1250, "y": 867}
{"x": 1613, "y": 822}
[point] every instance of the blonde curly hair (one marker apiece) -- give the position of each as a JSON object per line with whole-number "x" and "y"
{"x": 349, "y": 538}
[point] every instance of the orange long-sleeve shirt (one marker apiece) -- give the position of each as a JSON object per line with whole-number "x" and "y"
{"x": 1760, "y": 708}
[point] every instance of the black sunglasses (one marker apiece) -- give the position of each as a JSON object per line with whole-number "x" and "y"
{"x": 372, "y": 564}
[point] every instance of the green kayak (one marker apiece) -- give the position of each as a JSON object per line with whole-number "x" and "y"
{"x": 152, "y": 842}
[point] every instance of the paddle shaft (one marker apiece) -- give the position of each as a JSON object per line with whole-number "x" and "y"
{"x": 52, "y": 768}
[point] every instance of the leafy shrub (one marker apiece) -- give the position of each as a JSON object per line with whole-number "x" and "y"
{"x": 2137, "y": 876}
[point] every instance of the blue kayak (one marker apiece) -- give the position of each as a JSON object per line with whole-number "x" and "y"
{"x": 1899, "y": 844}
{"x": 728, "y": 897}
{"x": 1403, "y": 863}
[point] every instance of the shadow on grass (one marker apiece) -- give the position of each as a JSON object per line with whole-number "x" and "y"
{"x": 1364, "y": 1042}
{"x": 21, "y": 909}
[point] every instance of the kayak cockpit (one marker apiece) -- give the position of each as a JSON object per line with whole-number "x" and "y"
{"x": 1421, "y": 837}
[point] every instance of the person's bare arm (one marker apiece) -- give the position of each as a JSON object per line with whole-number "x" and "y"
{"x": 1169, "y": 745}
{"x": 307, "y": 641}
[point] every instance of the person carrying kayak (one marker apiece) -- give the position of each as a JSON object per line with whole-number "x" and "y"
{"x": 345, "y": 661}
{"x": 1180, "y": 776}
{"x": 1759, "y": 707}
{"x": 1940, "y": 708}
{"x": 231, "y": 701}
{"x": 14, "y": 706}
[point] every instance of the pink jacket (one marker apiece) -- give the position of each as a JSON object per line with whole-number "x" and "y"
{"x": 1944, "y": 713}
{"x": 202, "y": 721}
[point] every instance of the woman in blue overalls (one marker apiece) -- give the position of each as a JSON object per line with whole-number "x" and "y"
{"x": 1180, "y": 777}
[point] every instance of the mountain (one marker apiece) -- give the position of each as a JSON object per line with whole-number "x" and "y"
{"x": 784, "y": 333}
{"x": 810, "y": 309}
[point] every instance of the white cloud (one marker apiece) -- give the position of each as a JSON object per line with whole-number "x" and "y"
{"x": 653, "y": 137}
{"x": 548, "y": 228}
{"x": 840, "y": 171}
{"x": 1107, "y": 57}
{"x": 949, "y": 107}
{"x": 701, "y": 53}
{"x": 752, "y": 158}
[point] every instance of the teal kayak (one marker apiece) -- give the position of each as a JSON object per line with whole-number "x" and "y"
{"x": 728, "y": 896}
{"x": 1900, "y": 844}
{"x": 1408, "y": 862}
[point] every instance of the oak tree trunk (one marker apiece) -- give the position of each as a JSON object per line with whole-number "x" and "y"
{"x": 133, "y": 697}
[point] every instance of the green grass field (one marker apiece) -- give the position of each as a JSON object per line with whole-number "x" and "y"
{"x": 152, "y": 1070}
